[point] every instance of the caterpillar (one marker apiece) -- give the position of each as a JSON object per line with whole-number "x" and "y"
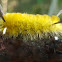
{"x": 30, "y": 25}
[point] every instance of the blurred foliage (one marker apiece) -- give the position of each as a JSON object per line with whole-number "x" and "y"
{"x": 29, "y": 6}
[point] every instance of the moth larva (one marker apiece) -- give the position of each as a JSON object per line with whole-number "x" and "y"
{"x": 31, "y": 25}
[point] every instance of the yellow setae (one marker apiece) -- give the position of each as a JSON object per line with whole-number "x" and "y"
{"x": 31, "y": 25}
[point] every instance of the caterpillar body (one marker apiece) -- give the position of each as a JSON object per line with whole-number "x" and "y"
{"x": 30, "y": 25}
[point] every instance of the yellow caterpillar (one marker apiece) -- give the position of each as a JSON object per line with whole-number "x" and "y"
{"x": 30, "y": 25}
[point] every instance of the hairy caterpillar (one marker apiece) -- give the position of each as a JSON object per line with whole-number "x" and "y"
{"x": 30, "y": 25}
